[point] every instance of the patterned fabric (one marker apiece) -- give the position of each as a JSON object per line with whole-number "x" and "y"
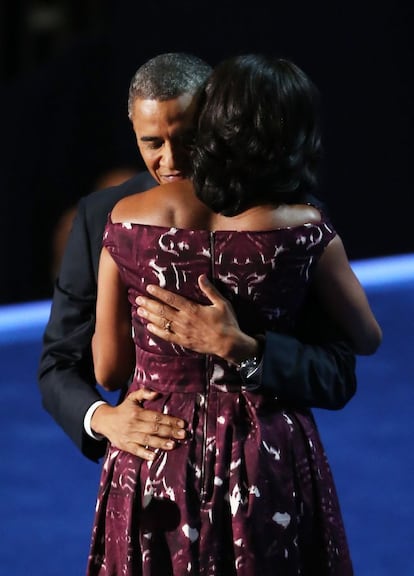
{"x": 250, "y": 492}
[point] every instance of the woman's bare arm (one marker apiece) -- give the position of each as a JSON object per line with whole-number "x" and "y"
{"x": 112, "y": 344}
{"x": 345, "y": 300}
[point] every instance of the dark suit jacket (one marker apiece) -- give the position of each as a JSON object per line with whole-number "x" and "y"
{"x": 303, "y": 375}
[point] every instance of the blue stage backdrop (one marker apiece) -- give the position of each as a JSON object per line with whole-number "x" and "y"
{"x": 48, "y": 489}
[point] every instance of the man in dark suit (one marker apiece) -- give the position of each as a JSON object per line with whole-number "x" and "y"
{"x": 320, "y": 372}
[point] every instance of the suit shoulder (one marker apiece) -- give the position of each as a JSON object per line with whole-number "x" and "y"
{"x": 104, "y": 200}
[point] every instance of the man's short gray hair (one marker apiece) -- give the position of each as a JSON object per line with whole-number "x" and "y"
{"x": 166, "y": 77}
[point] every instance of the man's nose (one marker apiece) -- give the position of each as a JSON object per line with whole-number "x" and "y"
{"x": 168, "y": 158}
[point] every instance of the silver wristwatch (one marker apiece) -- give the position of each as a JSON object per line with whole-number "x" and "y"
{"x": 250, "y": 371}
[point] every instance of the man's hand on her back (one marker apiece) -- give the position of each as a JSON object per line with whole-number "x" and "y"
{"x": 207, "y": 329}
{"x": 132, "y": 428}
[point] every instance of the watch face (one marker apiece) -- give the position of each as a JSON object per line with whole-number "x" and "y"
{"x": 248, "y": 367}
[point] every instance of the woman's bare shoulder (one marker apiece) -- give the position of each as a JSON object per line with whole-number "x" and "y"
{"x": 298, "y": 214}
{"x": 155, "y": 206}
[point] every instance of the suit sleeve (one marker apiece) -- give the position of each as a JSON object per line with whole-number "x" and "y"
{"x": 316, "y": 369}
{"x": 66, "y": 377}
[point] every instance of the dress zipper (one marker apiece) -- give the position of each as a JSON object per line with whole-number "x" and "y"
{"x": 203, "y": 479}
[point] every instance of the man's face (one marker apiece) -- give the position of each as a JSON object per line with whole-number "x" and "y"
{"x": 163, "y": 131}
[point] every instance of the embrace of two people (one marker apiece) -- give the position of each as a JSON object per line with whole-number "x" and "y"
{"x": 226, "y": 293}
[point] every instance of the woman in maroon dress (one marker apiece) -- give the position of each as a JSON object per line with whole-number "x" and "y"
{"x": 249, "y": 491}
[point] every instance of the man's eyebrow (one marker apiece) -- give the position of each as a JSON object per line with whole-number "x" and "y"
{"x": 149, "y": 138}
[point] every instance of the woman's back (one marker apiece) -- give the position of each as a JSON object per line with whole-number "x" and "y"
{"x": 261, "y": 260}
{"x": 301, "y": 235}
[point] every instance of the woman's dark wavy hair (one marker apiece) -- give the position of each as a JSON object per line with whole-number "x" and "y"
{"x": 258, "y": 139}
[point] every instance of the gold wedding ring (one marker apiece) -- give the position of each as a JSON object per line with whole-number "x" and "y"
{"x": 167, "y": 327}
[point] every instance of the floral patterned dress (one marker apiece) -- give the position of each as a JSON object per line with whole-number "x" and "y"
{"x": 250, "y": 491}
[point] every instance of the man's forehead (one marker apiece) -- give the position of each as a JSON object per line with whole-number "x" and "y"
{"x": 181, "y": 105}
